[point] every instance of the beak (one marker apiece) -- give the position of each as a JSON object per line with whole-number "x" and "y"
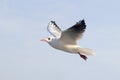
{"x": 43, "y": 40}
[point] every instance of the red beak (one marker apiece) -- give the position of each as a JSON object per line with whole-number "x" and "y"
{"x": 43, "y": 40}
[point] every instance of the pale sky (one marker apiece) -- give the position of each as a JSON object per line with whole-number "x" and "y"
{"x": 23, "y": 23}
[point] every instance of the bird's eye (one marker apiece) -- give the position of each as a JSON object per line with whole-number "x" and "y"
{"x": 48, "y": 38}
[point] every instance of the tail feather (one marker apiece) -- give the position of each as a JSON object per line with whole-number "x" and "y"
{"x": 86, "y": 51}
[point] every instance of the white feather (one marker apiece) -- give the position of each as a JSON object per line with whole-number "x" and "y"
{"x": 86, "y": 51}
{"x": 54, "y": 29}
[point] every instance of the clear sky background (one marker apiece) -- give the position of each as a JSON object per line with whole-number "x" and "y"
{"x": 24, "y": 57}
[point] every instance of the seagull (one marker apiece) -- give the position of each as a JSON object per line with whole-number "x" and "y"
{"x": 67, "y": 40}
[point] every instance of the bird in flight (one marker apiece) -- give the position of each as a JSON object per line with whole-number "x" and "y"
{"x": 67, "y": 40}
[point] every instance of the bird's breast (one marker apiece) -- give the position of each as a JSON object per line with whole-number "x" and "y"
{"x": 64, "y": 47}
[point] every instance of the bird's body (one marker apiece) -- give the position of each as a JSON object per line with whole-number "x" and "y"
{"x": 60, "y": 45}
{"x": 67, "y": 40}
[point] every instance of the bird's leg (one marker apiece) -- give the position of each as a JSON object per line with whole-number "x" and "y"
{"x": 82, "y": 56}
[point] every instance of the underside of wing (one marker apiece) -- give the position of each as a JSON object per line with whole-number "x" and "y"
{"x": 72, "y": 34}
{"x": 54, "y": 29}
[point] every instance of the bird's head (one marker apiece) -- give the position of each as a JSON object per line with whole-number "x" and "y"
{"x": 48, "y": 39}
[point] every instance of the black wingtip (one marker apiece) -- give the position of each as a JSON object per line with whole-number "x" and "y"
{"x": 52, "y": 21}
{"x": 82, "y": 22}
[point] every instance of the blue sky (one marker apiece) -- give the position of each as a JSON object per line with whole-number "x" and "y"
{"x": 23, "y": 23}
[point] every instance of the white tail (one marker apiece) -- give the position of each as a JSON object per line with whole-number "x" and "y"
{"x": 86, "y": 51}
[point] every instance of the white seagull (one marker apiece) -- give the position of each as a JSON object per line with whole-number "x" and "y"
{"x": 67, "y": 40}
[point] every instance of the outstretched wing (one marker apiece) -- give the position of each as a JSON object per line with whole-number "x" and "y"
{"x": 54, "y": 29}
{"x": 72, "y": 34}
